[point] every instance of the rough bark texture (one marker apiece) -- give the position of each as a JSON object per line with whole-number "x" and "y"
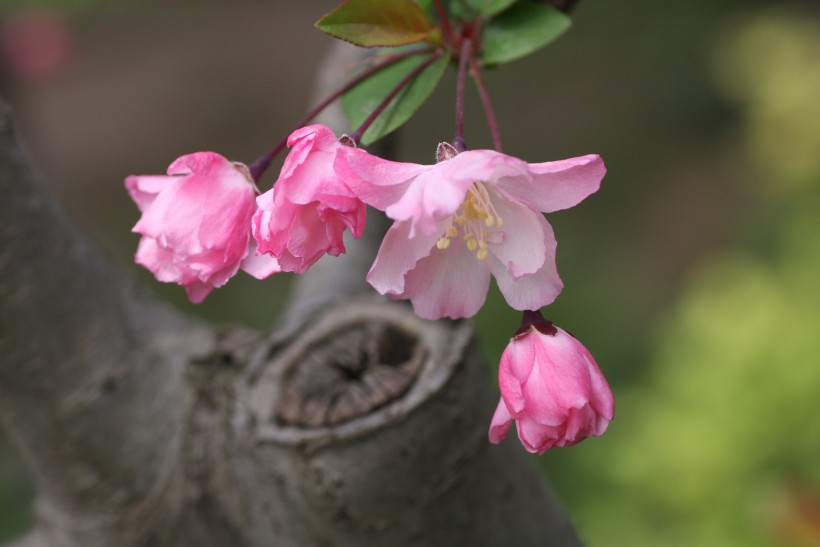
{"x": 355, "y": 423}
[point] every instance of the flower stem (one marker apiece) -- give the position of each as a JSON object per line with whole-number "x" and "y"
{"x": 534, "y": 318}
{"x": 258, "y": 167}
{"x": 445, "y": 21}
{"x": 464, "y": 57}
{"x": 360, "y": 131}
{"x": 478, "y": 78}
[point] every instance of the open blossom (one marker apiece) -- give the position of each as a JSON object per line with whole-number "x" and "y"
{"x": 552, "y": 388}
{"x": 196, "y": 223}
{"x": 306, "y": 212}
{"x": 464, "y": 219}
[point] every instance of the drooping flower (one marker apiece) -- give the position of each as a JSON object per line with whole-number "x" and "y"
{"x": 551, "y": 387}
{"x": 196, "y": 222}
{"x": 464, "y": 219}
{"x": 306, "y": 212}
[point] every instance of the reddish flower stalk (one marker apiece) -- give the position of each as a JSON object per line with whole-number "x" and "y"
{"x": 258, "y": 167}
{"x": 464, "y": 57}
{"x": 449, "y": 35}
{"x": 475, "y": 71}
{"x": 357, "y": 135}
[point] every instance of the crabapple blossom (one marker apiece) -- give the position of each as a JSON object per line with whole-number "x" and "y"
{"x": 463, "y": 219}
{"x": 552, "y": 388}
{"x": 195, "y": 223}
{"x": 306, "y": 212}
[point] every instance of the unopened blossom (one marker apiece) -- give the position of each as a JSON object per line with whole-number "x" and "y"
{"x": 308, "y": 209}
{"x": 464, "y": 219}
{"x": 196, "y": 223}
{"x": 552, "y": 388}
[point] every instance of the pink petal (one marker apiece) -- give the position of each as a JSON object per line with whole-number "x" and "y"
{"x": 601, "y": 399}
{"x": 308, "y": 170}
{"x": 534, "y": 291}
{"x": 535, "y": 437}
{"x": 197, "y": 291}
{"x": 398, "y": 255}
{"x": 144, "y": 189}
{"x": 201, "y": 163}
{"x": 447, "y": 283}
{"x": 160, "y": 261}
{"x": 557, "y": 185}
{"x": 259, "y": 266}
{"x": 514, "y": 370}
{"x": 524, "y": 246}
{"x": 429, "y": 199}
{"x": 481, "y": 166}
{"x": 376, "y": 181}
{"x": 500, "y": 424}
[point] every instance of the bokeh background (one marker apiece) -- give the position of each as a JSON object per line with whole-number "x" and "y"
{"x": 693, "y": 275}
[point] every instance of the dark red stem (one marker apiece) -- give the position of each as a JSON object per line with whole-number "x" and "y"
{"x": 464, "y": 58}
{"x": 357, "y": 135}
{"x": 449, "y": 36}
{"x": 475, "y": 70}
{"x": 533, "y": 318}
{"x": 258, "y": 167}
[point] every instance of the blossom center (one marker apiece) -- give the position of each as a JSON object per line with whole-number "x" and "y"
{"x": 476, "y": 220}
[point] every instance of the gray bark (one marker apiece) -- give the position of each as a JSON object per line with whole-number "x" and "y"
{"x": 353, "y": 423}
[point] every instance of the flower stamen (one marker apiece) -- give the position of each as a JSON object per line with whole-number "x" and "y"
{"x": 475, "y": 215}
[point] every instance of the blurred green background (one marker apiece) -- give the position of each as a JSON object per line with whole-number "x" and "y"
{"x": 693, "y": 275}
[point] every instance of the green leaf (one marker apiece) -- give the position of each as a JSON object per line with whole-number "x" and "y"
{"x": 363, "y": 99}
{"x": 521, "y": 30}
{"x": 488, "y": 8}
{"x": 377, "y": 23}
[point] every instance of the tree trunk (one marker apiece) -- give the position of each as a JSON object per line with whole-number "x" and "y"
{"x": 353, "y": 423}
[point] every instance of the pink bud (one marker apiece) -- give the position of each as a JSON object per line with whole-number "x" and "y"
{"x": 305, "y": 214}
{"x": 196, "y": 223}
{"x": 552, "y": 388}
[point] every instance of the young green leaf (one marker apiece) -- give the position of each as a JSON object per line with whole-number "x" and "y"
{"x": 363, "y": 99}
{"x": 488, "y": 8}
{"x": 377, "y": 23}
{"x": 521, "y": 30}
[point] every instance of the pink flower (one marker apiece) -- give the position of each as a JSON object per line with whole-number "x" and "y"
{"x": 196, "y": 223}
{"x": 552, "y": 388}
{"x": 461, "y": 220}
{"x": 306, "y": 212}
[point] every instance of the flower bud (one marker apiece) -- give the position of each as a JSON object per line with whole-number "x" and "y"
{"x": 551, "y": 387}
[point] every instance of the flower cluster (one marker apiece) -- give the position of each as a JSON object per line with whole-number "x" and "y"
{"x": 470, "y": 216}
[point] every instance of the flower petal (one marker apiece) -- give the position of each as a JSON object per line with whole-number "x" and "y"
{"x": 259, "y": 266}
{"x": 500, "y": 424}
{"x": 144, "y": 189}
{"x": 398, "y": 254}
{"x": 481, "y": 166}
{"x": 378, "y": 182}
{"x": 531, "y": 292}
{"x": 556, "y": 185}
{"x": 523, "y": 248}
{"x": 429, "y": 199}
{"x": 201, "y": 163}
{"x": 514, "y": 370}
{"x": 447, "y": 283}
{"x": 536, "y": 437}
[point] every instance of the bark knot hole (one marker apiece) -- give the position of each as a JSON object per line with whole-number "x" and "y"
{"x": 353, "y": 372}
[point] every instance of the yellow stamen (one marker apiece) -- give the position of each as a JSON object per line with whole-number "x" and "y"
{"x": 481, "y": 254}
{"x": 442, "y": 243}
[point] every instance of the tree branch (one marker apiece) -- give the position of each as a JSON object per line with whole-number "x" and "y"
{"x": 91, "y": 382}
